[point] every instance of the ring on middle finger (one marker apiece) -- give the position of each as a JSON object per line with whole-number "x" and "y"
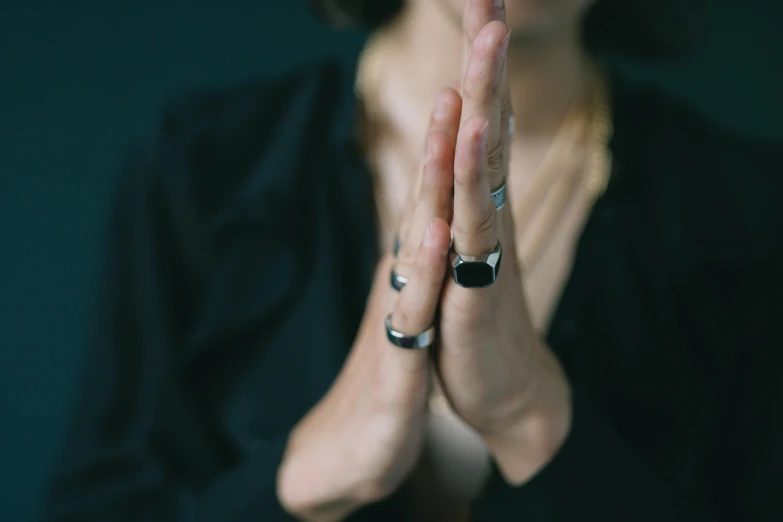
{"x": 476, "y": 271}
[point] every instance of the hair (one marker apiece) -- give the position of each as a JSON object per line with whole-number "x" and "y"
{"x": 645, "y": 30}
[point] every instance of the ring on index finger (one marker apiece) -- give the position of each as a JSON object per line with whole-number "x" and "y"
{"x": 412, "y": 342}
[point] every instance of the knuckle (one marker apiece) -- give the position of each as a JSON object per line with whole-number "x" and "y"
{"x": 405, "y": 258}
{"x": 486, "y": 224}
{"x": 461, "y": 228}
{"x": 480, "y": 227}
{"x": 402, "y": 319}
{"x": 472, "y": 85}
{"x": 467, "y": 176}
{"x": 496, "y": 156}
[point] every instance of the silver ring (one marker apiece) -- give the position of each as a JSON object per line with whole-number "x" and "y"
{"x": 411, "y": 342}
{"x": 397, "y": 281}
{"x": 397, "y": 246}
{"x": 476, "y": 271}
{"x": 499, "y": 196}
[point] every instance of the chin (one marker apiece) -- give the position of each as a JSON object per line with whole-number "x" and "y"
{"x": 531, "y": 17}
{"x": 537, "y": 16}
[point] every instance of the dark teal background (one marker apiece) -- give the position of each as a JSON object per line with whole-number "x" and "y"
{"x": 78, "y": 83}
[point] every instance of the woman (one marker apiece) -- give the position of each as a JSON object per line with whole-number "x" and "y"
{"x": 619, "y": 363}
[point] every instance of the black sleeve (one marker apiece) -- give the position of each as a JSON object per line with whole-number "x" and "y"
{"x": 139, "y": 448}
{"x": 596, "y": 475}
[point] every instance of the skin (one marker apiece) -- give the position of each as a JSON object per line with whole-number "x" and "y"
{"x": 365, "y": 437}
{"x": 427, "y": 48}
{"x": 493, "y": 368}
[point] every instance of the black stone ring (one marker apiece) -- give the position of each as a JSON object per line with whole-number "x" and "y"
{"x": 476, "y": 271}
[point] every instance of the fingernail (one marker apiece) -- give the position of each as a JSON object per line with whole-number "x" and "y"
{"x": 440, "y": 107}
{"x": 503, "y": 49}
{"x": 429, "y": 236}
{"x": 498, "y": 4}
{"x": 427, "y": 151}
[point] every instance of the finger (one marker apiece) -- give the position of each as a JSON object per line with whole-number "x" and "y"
{"x": 434, "y": 198}
{"x": 498, "y": 169}
{"x": 417, "y": 303}
{"x": 474, "y": 213}
{"x": 437, "y": 177}
{"x": 445, "y": 118}
{"x": 446, "y": 115}
{"x": 506, "y": 127}
{"x": 475, "y": 15}
{"x": 485, "y": 92}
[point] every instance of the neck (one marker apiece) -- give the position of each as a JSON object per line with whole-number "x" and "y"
{"x": 546, "y": 71}
{"x": 545, "y": 79}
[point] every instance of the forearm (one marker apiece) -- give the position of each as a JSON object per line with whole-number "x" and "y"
{"x": 528, "y": 445}
{"x": 595, "y": 473}
{"x": 115, "y": 487}
{"x": 308, "y": 489}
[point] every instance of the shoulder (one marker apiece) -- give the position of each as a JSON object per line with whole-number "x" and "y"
{"x": 230, "y": 157}
{"x": 706, "y": 216}
{"x": 708, "y": 188}
{"x": 216, "y": 141}
{"x": 211, "y": 182}
{"x": 234, "y": 153}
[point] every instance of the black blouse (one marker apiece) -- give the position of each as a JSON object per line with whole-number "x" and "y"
{"x": 242, "y": 245}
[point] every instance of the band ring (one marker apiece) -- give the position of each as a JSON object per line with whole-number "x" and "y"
{"x": 397, "y": 281}
{"x": 410, "y": 342}
{"x": 397, "y": 246}
{"x": 499, "y": 196}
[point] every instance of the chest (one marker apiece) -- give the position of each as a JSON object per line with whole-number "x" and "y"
{"x": 612, "y": 323}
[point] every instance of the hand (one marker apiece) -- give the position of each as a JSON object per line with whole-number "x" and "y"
{"x": 359, "y": 443}
{"x": 494, "y": 369}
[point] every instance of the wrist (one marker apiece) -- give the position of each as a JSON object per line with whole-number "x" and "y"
{"x": 527, "y": 445}
{"x": 308, "y": 491}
